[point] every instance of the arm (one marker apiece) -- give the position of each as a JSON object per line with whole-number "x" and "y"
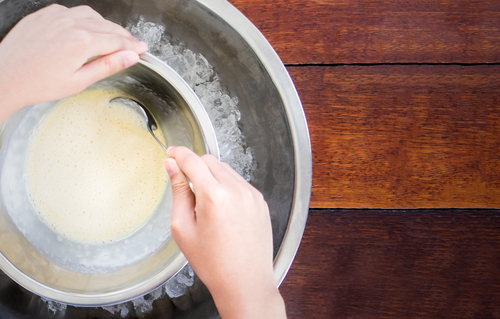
{"x": 45, "y": 56}
{"x": 225, "y": 232}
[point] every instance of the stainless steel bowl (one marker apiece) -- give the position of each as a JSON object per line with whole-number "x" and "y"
{"x": 90, "y": 275}
{"x": 272, "y": 119}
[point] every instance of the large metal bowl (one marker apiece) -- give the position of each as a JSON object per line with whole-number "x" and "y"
{"x": 272, "y": 119}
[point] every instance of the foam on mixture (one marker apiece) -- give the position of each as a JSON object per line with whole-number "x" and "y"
{"x": 95, "y": 174}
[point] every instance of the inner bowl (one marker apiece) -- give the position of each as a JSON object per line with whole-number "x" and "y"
{"x": 57, "y": 268}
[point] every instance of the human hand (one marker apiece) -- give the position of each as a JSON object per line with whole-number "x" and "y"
{"x": 225, "y": 232}
{"x": 44, "y": 57}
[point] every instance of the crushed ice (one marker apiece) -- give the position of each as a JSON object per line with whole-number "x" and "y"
{"x": 54, "y": 306}
{"x": 175, "y": 287}
{"x": 200, "y": 75}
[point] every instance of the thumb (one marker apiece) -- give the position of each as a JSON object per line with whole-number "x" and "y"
{"x": 107, "y": 65}
{"x": 183, "y": 214}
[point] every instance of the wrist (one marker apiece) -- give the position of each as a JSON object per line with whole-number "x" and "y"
{"x": 258, "y": 301}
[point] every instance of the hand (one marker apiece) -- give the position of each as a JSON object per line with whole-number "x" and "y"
{"x": 44, "y": 57}
{"x": 224, "y": 230}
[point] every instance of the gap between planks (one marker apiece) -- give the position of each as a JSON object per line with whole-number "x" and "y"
{"x": 388, "y": 64}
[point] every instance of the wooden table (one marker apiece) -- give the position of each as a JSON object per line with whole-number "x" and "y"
{"x": 403, "y": 104}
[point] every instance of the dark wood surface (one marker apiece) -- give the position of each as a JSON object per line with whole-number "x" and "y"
{"x": 378, "y": 31}
{"x": 403, "y": 104}
{"x": 396, "y": 264}
{"x": 403, "y": 136}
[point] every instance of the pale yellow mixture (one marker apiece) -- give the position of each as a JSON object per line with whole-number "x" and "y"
{"x": 94, "y": 172}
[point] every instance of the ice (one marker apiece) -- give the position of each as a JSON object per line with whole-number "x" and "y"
{"x": 142, "y": 305}
{"x": 149, "y": 32}
{"x": 178, "y": 285}
{"x": 122, "y": 309}
{"x": 222, "y": 108}
{"x": 54, "y": 306}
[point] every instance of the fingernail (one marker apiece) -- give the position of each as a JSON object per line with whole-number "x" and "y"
{"x": 169, "y": 166}
{"x": 135, "y": 39}
{"x": 143, "y": 44}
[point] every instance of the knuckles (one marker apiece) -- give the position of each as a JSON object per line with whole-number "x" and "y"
{"x": 244, "y": 192}
{"x": 180, "y": 188}
{"x": 191, "y": 160}
{"x": 226, "y": 166}
{"x": 87, "y": 9}
{"x": 111, "y": 66}
{"x": 258, "y": 196}
{"x": 217, "y": 195}
{"x": 82, "y": 39}
{"x": 207, "y": 157}
{"x": 66, "y": 23}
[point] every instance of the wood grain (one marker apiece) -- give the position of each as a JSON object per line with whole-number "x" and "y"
{"x": 403, "y": 136}
{"x": 378, "y": 31}
{"x": 397, "y": 264}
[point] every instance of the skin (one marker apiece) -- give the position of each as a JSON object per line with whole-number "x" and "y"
{"x": 224, "y": 230}
{"x": 44, "y": 57}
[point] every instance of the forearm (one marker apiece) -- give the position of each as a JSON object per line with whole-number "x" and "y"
{"x": 261, "y": 303}
{"x": 10, "y": 99}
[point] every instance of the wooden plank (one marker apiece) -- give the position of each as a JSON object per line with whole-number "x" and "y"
{"x": 375, "y": 31}
{"x": 396, "y": 264}
{"x": 403, "y": 136}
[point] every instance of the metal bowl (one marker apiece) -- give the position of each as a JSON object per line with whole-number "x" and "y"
{"x": 91, "y": 275}
{"x": 272, "y": 119}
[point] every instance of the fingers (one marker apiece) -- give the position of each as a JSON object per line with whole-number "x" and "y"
{"x": 83, "y": 12}
{"x": 102, "y": 36}
{"x": 103, "y": 44}
{"x": 193, "y": 166}
{"x": 79, "y": 12}
{"x": 183, "y": 213}
{"x": 222, "y": 171}
{"x": 103, "y": 26}
{"x": 53, "y": 8}
{"x": 217, "y": 170}
{"x": 105, "y": 66}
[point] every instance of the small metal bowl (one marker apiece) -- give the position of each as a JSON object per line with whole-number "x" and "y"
{"x": 57, "y": 269}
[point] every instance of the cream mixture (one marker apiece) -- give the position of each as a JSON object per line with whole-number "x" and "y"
{"x": 94, "y": 172}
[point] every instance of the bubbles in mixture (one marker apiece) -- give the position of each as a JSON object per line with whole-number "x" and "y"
{"x": 94, "y": 172}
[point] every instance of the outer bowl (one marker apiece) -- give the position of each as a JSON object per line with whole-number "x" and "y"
{"x": 58, "y": 269}
{"x": 272, "y": 119}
